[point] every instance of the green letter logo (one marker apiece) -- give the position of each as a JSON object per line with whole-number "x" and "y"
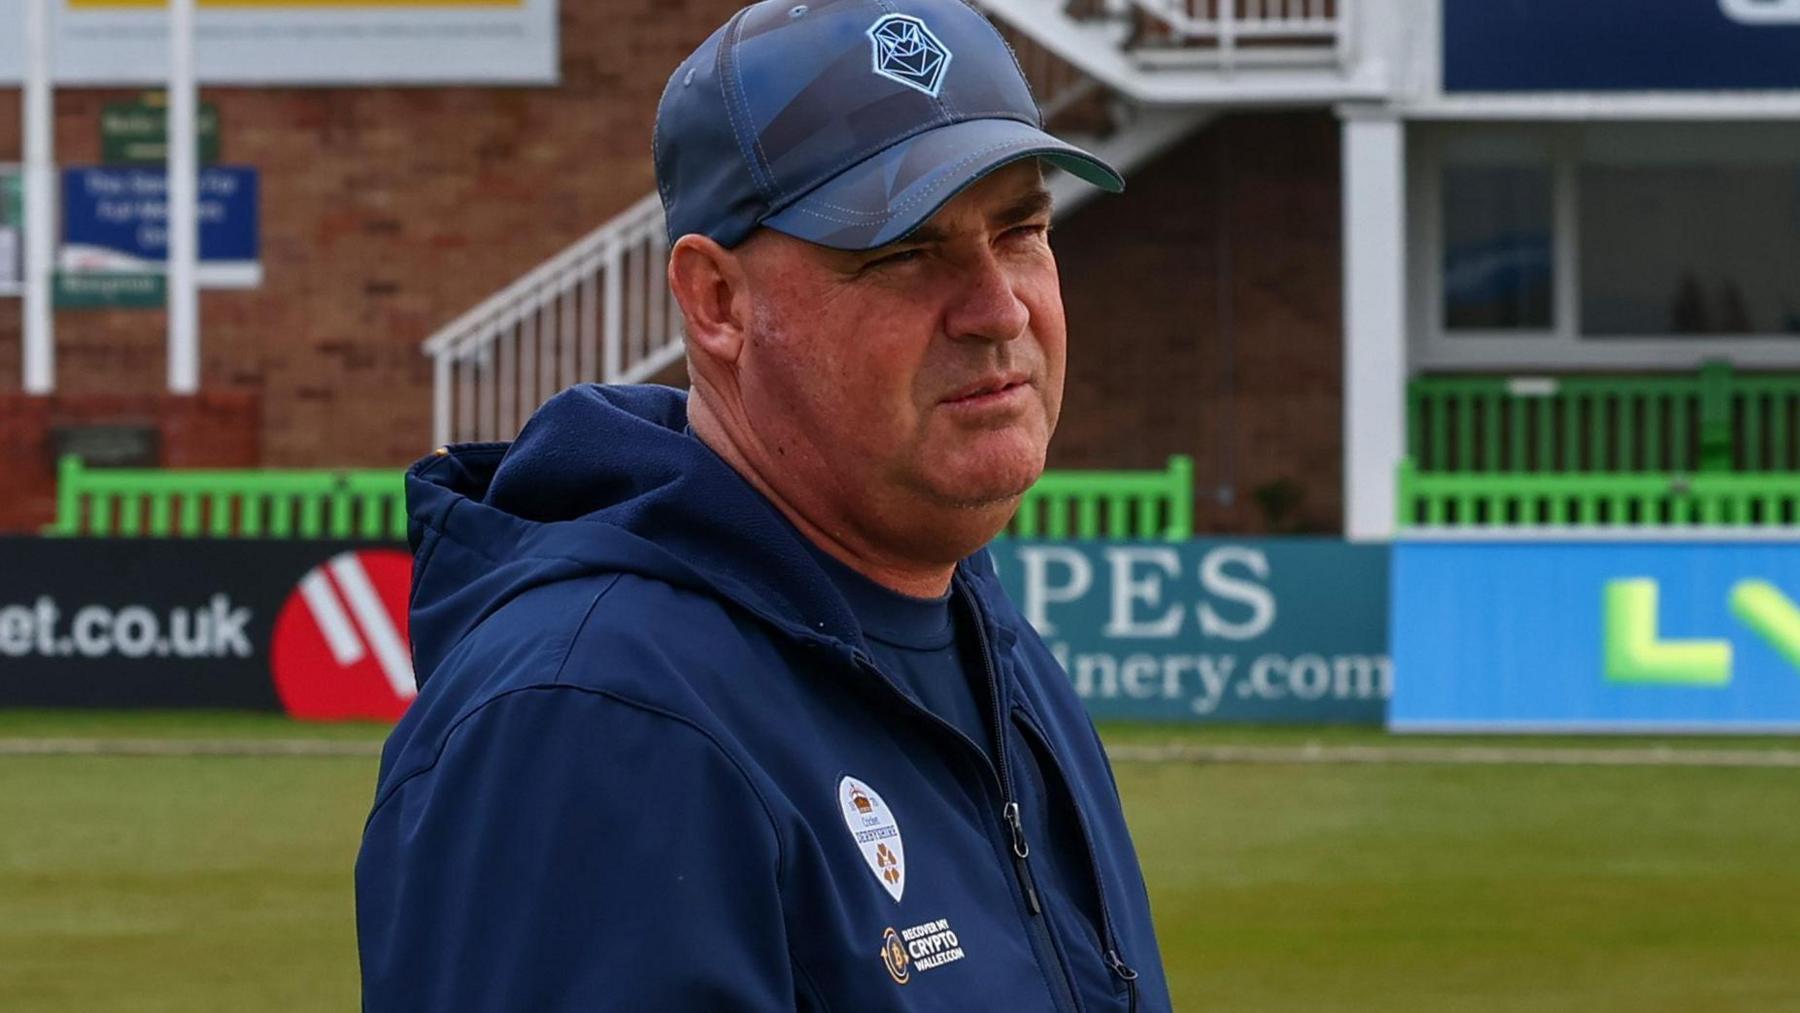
{"x": 1634, "y": 652}
{"x": 1761, "y": 606}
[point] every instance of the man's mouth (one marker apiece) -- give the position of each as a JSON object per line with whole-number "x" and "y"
{"x": 989, "y": 390}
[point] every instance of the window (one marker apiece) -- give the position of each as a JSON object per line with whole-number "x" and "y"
{"x": 12, "y": 229}
{"x": 1497, "y": 259}
{"x": 1710, "y": 250}
{"x": 1605, "y": 245}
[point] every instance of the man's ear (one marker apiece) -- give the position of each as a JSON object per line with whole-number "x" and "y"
{"x": 709, "y": 283}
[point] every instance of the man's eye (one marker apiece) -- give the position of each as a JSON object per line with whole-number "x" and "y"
{"x": 894, "y": 259}
{"x": 1028, "y": 231}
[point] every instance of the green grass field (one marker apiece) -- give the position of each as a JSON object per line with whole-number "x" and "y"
{"x": 223, "y": 883}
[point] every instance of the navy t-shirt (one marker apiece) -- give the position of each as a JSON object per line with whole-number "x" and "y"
{"x": 922, "y": 643}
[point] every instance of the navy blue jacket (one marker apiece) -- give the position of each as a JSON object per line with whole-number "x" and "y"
{"x": 650, "y": 766}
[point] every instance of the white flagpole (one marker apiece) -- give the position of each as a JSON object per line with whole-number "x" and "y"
{"x": 184, "y": 222}
{"x": 40, "y": 201}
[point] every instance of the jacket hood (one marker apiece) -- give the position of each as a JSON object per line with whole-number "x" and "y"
{"x": 603, "y": 479}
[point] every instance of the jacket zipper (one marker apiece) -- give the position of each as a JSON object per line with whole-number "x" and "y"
{"x": 1021, "y": 848}
{"x": 1062, "y": 990}
{"x": 1114, "y": 961}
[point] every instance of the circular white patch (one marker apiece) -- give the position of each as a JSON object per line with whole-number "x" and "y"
{"x": 876, "y": 832}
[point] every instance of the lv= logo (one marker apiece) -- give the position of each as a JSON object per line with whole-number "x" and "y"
{"x": 1636, "y": 653}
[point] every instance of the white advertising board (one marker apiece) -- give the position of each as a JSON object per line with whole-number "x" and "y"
{"x": 297, "y": 42}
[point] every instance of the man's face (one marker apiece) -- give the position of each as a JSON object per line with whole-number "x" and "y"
{"x": 927, "y": 370}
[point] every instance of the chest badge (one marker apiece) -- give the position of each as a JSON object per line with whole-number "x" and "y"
{"x": 877, "y": 834}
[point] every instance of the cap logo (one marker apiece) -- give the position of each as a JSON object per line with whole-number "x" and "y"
{"x": 907, "y": 52}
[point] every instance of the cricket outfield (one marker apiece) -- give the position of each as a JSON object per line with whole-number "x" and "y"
{"x": 188, "y": 862}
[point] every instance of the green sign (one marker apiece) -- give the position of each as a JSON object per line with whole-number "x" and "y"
{"x": 137, "y": 132}
{"x": 75, "y": 291}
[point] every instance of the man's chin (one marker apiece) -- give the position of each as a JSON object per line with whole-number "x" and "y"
{"x": 988, "y": 481}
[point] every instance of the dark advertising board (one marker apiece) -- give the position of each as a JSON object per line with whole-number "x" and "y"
{"x": 1620, "y": 45}
{"x": 315, "y": 628}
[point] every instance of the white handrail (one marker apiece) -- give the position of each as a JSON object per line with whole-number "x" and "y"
{"x": 599, "y": 310}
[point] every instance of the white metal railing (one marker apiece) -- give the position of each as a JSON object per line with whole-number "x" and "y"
{"x": 1251, "y": 30}
{"x": 598, "y": 311}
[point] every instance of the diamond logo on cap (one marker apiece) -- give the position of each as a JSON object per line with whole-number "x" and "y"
{"x": 907, "y": 52}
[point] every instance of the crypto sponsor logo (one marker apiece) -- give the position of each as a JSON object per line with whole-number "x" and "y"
{"x": 932, "y": 944}
{"x": 924, "y": 947}
{"x": 876, "y": 832}
{"x": 893, "y": 956}
{"x": 339, "y": 649}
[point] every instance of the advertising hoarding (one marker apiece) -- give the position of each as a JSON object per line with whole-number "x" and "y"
{"x": 1547, "y": 636}
{"x": 1266, "y": 631}
{"x": 1259, "y": 630}
{"x": 315, "y": 628}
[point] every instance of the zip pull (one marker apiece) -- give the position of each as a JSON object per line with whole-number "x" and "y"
{"x": 1126, "y": 975}
{"x": 1119, "y": 967}
{"x": 1021, "y": 851}
{"x": 1020, "y": 846}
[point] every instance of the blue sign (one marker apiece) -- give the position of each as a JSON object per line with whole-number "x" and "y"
{"x": 1289, "y": 630}
{"x": 1620, "y": 45}
{"x": 116, "y": 218}
{"x": 1603, "y": 637}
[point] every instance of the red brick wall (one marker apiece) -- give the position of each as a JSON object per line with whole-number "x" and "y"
{"x": 385, "y": 213}
{"x": 214, "y": 429}
{"x": 1203, "y": 303}
{"x": 1204, "y": 318}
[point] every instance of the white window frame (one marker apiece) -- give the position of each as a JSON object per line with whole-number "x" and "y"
{"x": 1562, "y": 346}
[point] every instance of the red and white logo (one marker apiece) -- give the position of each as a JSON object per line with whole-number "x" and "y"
{"x": 340, "y": 649}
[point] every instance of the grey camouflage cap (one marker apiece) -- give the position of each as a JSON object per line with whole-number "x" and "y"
{"x": 846, "y": 123}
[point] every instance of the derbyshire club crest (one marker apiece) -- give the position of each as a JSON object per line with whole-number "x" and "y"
{"x": 907, "y": 52}
{"x": 876, "y": 833}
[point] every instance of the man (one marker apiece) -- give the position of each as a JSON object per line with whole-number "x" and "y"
{"x": 722, "y": 706}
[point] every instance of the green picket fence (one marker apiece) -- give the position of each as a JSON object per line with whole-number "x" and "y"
{"x": 228, "y": 503}
{"x": 1714, "y": 448}
{"x": 1110, "y": 504}
{"x": 372, "y": 504}
{"x": 1715, "y": 420}
{"x": 1482, "y": 500}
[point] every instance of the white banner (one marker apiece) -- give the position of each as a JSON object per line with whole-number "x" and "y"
{"x": 297, "y": 42}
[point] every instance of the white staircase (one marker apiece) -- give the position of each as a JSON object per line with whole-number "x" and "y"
{"x": 1123, "y": 78}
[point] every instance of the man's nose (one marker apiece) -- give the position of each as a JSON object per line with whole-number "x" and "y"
{"x": 987, "y": 306}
